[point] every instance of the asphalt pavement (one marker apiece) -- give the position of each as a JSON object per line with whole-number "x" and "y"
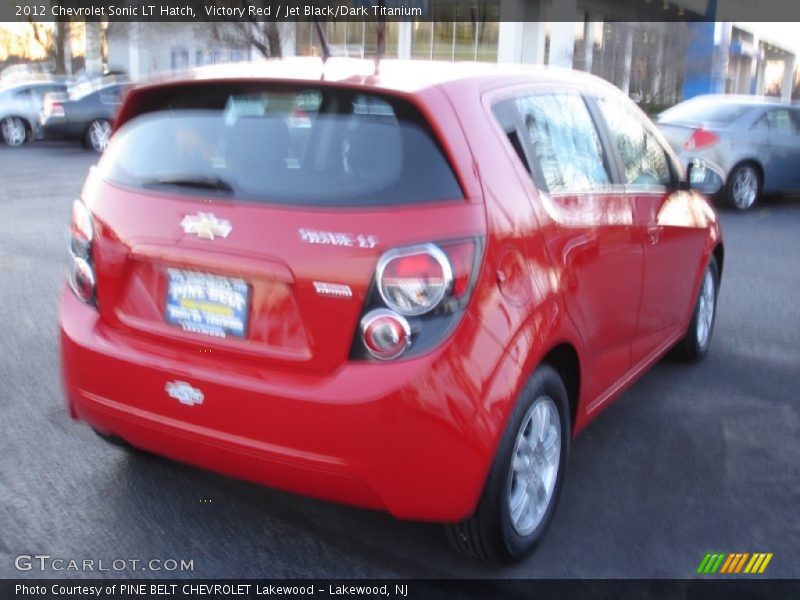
{"x": 693, "y": 459}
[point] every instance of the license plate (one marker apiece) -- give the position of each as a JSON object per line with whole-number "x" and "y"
{"x": 207, "y": 304}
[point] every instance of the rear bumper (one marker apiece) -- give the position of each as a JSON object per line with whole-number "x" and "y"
{"x": 415, "y": 437}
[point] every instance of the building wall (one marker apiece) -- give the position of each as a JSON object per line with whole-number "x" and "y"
{"x": 656, "y": 63}
{"x": 147, "y": 51}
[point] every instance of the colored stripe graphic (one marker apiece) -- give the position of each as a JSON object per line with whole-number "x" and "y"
{"x": 702, "y": 566}
{"x": 765, "y": 563}
{"x": 751, "y": 564}
{"x": 741, "y": 562}
{"x": 727, "y": 565}
{"x": 710, "y": 563}
{"x": 734, "y": 563}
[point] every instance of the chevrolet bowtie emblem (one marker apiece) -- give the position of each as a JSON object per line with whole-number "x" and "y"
{"x": 206, "y": 226}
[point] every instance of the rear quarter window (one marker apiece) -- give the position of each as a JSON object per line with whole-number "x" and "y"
{"x": 307, "y": 146}
{"x": 563, "y": 144}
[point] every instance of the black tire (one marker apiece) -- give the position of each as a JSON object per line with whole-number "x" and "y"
{"x": 489, "y": 534}
{"x": 694, "y": 346}
{"x": 15, "y": 131}
{"x": 92, "y": 138}
{"x": 743, "y": 189}
{"x": 120, "y": 443}
{"x": 112, "y": 439}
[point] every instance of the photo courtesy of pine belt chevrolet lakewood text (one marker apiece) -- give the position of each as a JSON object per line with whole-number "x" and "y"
{"x": 404, "y": 289}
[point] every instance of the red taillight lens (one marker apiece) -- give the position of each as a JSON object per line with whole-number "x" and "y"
{"x": 386, "y": 335}
{"x": 701, "y": 138}
{"x": 462, "y": 258}
{"x": 56, "y": 109}
{"x": 413, "y": 281}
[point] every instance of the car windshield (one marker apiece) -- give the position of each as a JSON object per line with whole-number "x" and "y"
{"x": 299, "y": 147}
{"x": 704, "y": 111}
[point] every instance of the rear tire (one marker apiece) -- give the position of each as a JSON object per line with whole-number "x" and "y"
{"x": 112, "y": 439}
{"x": 120, "y": 443}
{"x": 694, "y": 345}
{"x": 744, "y": 186}
{"x": 97, "y": 135}
{"x": 524, "y": 483}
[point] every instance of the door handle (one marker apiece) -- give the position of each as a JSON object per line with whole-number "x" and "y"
{"x": 654, "y": 233}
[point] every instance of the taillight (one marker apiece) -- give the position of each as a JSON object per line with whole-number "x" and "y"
{"x": 81, "y": 279}
{"x": 81, "y": 230}
{"x": 419, "y": 295}
{"x": 54, "y": 108}
{"x": 462, "y": 260}
{"x": 413, "y": 281}
{"x": 701, "y": 138}
{"x": 81, "y": 271}
{"x": 386, "y": 334}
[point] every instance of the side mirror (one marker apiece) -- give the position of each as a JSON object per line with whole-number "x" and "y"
{"x": 704, "y": 176}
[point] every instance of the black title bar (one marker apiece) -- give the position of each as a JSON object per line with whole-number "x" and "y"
{"x": 251, "y": 589}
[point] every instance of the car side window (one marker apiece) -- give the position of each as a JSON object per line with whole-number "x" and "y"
{"x": 780, "y": 121}
{"x": 111, "y": 95}
{"x": 563, "y": 142}
{"x": 644, "y": 160}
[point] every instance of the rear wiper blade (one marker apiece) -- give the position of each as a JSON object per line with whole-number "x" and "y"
{"x": 206, "y": 183}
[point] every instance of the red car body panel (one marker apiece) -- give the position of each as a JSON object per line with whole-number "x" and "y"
{"x": 609, "y": 278}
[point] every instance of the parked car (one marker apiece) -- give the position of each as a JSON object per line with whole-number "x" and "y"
{"x": 413, "y": 310}
{"x": 20, "y": 105}
{"x": 756, "y": 142}
{"x": 85, "y": 114}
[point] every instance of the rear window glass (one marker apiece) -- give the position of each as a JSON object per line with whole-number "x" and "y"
{"x": 704, "y": 111}
{"x": 296, "y": 146}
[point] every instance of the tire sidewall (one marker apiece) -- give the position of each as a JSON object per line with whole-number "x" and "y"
{"x": 729, "y": 187}
{"x": 87, "y": 138}
{"x": 544, "y": 382}
{"x": 695, "y": 349}
{"x": 25, "y": 126}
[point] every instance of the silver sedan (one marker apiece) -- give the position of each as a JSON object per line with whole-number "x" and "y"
{"x": 755, "y": 141}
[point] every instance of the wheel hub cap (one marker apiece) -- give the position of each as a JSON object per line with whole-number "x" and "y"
{"x": 98, "y": 135}
{"x": 705, "y": 310}
{"x": 13, "y": 131}
{"x": 745, "y": 187}
{"x": 534, "y": 468}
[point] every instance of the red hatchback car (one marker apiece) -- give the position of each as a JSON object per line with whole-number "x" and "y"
{"x": 405, "y": 291}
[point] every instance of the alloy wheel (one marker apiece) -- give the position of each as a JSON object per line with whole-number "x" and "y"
{"x": 705, "y": 310}
{"x": 534, "y": 469}
{"x": 744, "y": 187}
{"x": 99, "y": 132}
{"x": 14, "y": 131}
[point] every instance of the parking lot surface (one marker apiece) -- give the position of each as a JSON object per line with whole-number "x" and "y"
{"x": 693, "y": 459}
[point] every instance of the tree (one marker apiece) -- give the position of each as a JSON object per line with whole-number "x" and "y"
{"x": 52, "y": 40}
{"x": 264, "y": 36}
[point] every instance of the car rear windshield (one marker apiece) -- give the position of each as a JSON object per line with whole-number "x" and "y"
{"x": 704, "y": 111}
{"x": 309, "y": 146}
